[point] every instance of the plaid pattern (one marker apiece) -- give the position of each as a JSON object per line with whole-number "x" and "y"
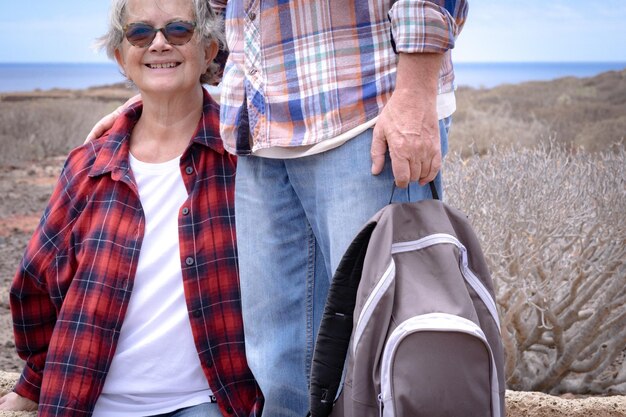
{"x": 71, "y": 292}
{"x": 310, "y": 70}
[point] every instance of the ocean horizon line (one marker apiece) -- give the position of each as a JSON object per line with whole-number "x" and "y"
{"x": 31, "y": 76}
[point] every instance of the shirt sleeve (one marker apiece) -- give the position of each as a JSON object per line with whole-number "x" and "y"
{"x": 426, "y": 26}
{"x": 33, "y": 309}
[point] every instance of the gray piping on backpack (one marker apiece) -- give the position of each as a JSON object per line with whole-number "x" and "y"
{"x": 387, "y": 278}
{"x": 372, "y": 301}
{"x": 469, "y": 276}
{"x": 442, "y": 322}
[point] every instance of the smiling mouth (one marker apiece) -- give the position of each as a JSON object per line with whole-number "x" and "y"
{"x": 162, "y": 66}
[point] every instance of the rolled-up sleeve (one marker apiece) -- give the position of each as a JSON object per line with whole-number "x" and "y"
{"x": 426, "y": 26}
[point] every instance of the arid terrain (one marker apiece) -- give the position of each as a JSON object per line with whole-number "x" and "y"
{"x": 37, "y": 129}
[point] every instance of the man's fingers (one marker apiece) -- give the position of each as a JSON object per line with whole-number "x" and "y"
{"x": 425, "y": 172}
{"x": 107, "y": 121}
{"x": 378, "y": 150}
{"x": 102, "y": 126}
{"x": 416, "y": 170}
{"x": 429, "y": 174}
{"x": 401, "y": 171}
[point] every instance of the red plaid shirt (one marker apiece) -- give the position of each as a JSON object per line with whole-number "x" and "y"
{"x": 71, "y": 292}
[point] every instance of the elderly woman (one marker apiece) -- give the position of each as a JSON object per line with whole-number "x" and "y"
{"x": 127, "y": 300}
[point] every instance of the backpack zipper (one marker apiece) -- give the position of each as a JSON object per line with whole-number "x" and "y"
{"x": 468, "y": 274}
{"x": 372, "y": 301}
{"x": 388, "y": 276}
{"x": 442, "y": 322}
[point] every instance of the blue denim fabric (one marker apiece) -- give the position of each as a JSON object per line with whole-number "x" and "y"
{"x": 295, "y": 219}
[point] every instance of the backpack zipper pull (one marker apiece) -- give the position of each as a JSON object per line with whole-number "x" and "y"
{"x": 380, "y": 404}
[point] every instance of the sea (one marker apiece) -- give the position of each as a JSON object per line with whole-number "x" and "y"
{"x": 18, "y": 77}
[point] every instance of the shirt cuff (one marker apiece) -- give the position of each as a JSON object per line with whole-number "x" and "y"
{"x": 418, "y": 27}
{"x": 29, "y": 384}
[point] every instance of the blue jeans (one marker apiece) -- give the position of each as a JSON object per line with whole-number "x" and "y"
{"x": 295, "y": 219}
{"x": 200, "y": 410}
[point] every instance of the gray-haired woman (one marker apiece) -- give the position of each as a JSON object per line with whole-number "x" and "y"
{"x": 127, "y": 300}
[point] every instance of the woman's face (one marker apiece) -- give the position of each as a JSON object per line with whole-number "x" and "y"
{"x": 163, "y": 68}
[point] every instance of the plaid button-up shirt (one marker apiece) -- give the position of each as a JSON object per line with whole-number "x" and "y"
{"x": 72, "y": 289}
{"x": 301, "y": 71}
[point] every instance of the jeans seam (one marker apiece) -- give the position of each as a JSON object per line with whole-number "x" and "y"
{"x": 310, "y": 292}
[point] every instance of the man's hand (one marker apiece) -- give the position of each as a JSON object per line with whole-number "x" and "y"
{"x": 408, "y": 124}
{"x": 15, "y": 402}
{"x": 107, "y": 121}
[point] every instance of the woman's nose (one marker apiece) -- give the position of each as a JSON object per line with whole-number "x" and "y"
{"x": 160, "y": 42}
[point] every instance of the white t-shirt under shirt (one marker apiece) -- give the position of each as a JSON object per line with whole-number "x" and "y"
{"x": 156, "y": 368}
{"x": 446, "y": 105}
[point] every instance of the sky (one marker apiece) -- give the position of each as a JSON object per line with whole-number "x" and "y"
{"x": 496, "y": 31}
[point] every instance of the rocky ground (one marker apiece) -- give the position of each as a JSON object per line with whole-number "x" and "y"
{"x": 24, "y": 192}
{"x": 518, "y": 404}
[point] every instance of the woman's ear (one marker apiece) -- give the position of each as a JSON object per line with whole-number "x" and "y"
{"x": 210, "y": 52}
{"x": 120, "y": 60}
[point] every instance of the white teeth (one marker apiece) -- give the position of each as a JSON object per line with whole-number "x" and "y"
{"x": 158, "y": 66}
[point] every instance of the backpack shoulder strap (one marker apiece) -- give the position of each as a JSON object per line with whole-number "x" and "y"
{"x": 333, "y": 339}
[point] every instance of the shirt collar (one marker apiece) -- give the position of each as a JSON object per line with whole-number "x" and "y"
{"x": 113, "y": 155}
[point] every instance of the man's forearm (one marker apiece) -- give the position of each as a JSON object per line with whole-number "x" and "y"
{"x": 418, "y": 72}
{"x": 408, "y": 125}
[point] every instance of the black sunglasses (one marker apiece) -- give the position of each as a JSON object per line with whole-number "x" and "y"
{"x": 141, "y": 35}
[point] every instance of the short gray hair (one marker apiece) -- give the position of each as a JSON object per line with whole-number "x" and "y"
{"x": 208, "y": 25}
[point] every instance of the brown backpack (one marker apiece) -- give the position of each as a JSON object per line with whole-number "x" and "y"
{"x": 412, "y": 307}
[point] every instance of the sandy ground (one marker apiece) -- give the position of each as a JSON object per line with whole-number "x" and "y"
{"x": 518, "y": 404}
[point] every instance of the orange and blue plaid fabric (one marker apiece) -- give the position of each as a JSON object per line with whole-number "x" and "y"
{"x": 72, "y": 289}
{"x": 302, "y": 71}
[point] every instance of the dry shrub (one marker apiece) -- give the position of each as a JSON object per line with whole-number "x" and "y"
{"x": 588, "y": 135}
{"x": 34, "y": 129}
{"x": 553, "y": 227}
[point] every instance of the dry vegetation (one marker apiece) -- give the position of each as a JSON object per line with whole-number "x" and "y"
{"x": 44, "y": 124}
{"x": 540, "y": 168}
{"x": 588, "y": 113}
{"x": 553, "y": 227}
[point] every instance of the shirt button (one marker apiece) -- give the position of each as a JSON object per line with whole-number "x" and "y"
{"x": 185, "y": 211}
{"x": 189, "y": 170}
{"x": 209, "y": 364}
{"x": 252, "y": 71}
{"x": 252, "y": 15}
{"x": 197, "y": 313}
{"x": 230, "y": 410}
{"x": 189, "y": 261}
